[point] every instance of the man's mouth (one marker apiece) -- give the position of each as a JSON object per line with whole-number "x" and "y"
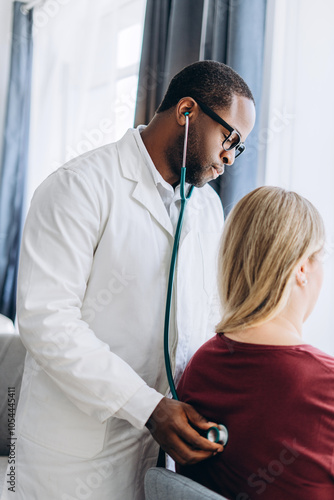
{"x": 217, "y": 171}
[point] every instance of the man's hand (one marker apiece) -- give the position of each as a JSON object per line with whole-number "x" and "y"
{"x": 172, "y": 426}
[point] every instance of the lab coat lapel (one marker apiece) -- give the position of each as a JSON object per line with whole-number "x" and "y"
{"x": 145, "y": 192}
{"x": 149, "y": 197}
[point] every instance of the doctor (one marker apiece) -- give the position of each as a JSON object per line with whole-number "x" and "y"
{"x": 91, "y": 296}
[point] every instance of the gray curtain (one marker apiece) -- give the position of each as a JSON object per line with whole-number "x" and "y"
{"x": 171, "y": 40}
{"x": 15, "y": 156}
{"x": 178, "y": 33}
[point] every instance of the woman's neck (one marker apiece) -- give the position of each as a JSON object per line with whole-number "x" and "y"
{"x": 278, "y": 331}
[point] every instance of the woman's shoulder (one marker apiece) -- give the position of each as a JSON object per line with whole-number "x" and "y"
{"x": 318, "y": 356}
{"x": 221, "y": 351}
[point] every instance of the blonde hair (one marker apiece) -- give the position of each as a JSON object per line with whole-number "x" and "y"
{"x": 265, "y": 236}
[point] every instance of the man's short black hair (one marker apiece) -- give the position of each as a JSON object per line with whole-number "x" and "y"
{"x": 211, "y": 82}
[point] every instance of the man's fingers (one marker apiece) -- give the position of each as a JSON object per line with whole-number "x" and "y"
{"x": 172, "y": 426}
{"x": 183, "y": 454}
{"x": 198, "y": 420}
{"x": 198, "y": 442}
{"x": 190, "y": 459}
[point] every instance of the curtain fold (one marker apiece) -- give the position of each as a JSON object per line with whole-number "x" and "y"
{"x": 235, "y": 36}
{"x": 15, "y": 157}
{"x": 179, "y": 33}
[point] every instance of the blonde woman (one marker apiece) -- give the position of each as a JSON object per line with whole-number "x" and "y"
{"x": 274, "y": 393}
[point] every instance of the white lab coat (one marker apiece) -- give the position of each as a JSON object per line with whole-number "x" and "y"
{"x": 91, "y": 298}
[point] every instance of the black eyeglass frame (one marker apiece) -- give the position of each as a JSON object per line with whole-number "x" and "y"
{"x": 240, "y": 146}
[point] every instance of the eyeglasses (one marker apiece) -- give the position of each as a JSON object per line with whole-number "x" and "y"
{"x": 233, "y": 140}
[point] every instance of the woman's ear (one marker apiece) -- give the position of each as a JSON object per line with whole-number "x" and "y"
{"x": 301, "y": 273}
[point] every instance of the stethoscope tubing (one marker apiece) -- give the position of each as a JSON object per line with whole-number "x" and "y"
{"x": 215, "y": 434}
{"x": 184, "y": 200}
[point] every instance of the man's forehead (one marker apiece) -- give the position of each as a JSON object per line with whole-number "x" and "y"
{"x": 240, "y": 115}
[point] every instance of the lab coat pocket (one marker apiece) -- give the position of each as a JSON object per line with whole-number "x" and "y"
{"x": 50, "y": 419}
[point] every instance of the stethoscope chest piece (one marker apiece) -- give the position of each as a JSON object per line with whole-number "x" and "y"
{"x": 218, "y": 434}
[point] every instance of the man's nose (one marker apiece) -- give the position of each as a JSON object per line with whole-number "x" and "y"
{"x": 228, "y": 157}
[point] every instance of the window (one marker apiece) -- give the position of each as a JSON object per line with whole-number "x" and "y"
{"x": 85, "y": 78}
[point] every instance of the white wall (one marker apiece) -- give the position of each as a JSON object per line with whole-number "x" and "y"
{"x": 298, "y": 125}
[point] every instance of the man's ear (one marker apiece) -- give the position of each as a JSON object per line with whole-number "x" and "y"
{"x": 186, "y": 105}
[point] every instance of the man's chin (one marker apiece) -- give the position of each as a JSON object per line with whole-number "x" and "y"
{"x": 197, "y": 181}
{"x": 202, "y": 182}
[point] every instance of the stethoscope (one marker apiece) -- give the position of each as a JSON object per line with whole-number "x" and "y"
{"x": 215, "y": 434}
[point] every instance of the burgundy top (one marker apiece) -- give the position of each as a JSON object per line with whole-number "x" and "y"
{"x": 277, "y": 403}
